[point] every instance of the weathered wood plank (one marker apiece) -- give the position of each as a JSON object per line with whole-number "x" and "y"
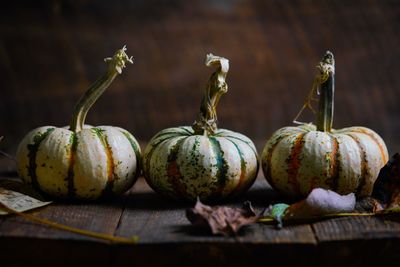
{"x": 159, "y": 220}
{"x": 101, "y": 216}
{"x": 164, "y": 231}
{"x": 357, "y": 228}
{"x": 94, "y": 217}
{"x": 359, "y": 241}
{"x": 24, "y": 243}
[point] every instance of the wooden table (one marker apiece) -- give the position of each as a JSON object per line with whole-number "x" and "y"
{"x": 167, "y": 239}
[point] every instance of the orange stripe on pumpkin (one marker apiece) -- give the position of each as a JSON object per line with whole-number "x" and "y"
{"x": 294, "y": 163}
{"x": 371, "y": 136}
{"x": 110, "y": 168}
{"x": 174, "y": 175}
{"x": 335, "y": 164}
{"x": 110, "y": 163}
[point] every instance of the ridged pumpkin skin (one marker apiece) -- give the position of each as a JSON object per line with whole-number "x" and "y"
{"x": 297, "y": 159}
{"x": 81, "y": 161}
{"x": 94, "y": 162}
{"x": 182, "y": 165}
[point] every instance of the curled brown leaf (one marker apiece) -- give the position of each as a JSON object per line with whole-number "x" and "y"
{"x": 221, "y": 219}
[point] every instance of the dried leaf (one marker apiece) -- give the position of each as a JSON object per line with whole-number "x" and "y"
{"x": 319, "y": 203}
{"x": 221, "y": 220}
{"x": 13, "y": 195}
{"x": 387, "y": 186}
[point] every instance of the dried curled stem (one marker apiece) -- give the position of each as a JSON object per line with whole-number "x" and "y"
{"x": 119, "y": 60}
{"x": 206, "y": 122}
{"x": 325, "y": 68}
{"x": 115, "y": 66}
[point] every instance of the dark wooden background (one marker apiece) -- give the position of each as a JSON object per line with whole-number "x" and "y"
{"x": 50, "y": 52}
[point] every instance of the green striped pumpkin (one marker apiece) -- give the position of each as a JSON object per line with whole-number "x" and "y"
{"x": 82, "y": 162}
{"x": 201, "y": 160}
{"x": 297, "y": 159}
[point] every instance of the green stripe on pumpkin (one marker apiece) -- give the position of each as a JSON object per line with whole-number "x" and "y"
{"x": 173, "y": 172}
{"x": 173, "y": 133}
{"x": 251, "y": 145}
{"x": 149, "y": 155}
{"x": 136, "y": 149}
{"x": 222, "y": 166}
{"x": 32, "y": 152}
{"x": 70, "y": 175}
{"x": 186, "y": 130}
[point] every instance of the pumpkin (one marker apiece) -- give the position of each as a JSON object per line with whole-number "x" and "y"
{"x": 82, "y": 162}
{"x": 201, "y": 160}
{"x": 297, "y": 159}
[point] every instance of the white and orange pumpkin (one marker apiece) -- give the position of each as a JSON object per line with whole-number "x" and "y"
{"x": 82, "y": 162}
{"x": 200, "y": 160}
{"x": 297, "y": 159}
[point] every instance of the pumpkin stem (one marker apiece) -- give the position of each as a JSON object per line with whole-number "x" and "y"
{"x": 115, "y": 66}
{"x": 206, "y": 123}
{"x": 325, "y": 82}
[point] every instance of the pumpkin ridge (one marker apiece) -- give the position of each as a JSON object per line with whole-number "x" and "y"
{"x": 267, "y": 163}
{"x": 378, "y": 143}
{"x": 71, "y": 162}
{"x": 242, "y": 169}
{"x": 32, "y": 152}
{"x": 186, "y": 130}
{"x": 137, "y": 154}
{"x": 334, "y": 167}
{"x": 222, "y": 165}
{"x": 173, "y": 172}
{"x": 169, "y": 133}
{"x": 246, "y": 142}
{"x": 148, "y": 155}
{"x": 107, "y": 191}
{"x": 294, "y": 163}
{"x": 364, "y": 162}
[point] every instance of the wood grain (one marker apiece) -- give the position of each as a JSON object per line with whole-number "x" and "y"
{"x": 158, "y": 220}
{"x": 167, "y": 239}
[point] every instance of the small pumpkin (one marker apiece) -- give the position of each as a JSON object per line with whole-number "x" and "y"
{"x": 200, "y": 160}
{"x": 82, "y": 162}
{"x": 297, "y": 159}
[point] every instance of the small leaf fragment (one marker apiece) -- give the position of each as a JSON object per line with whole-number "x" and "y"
{"x": 221, "y": 219}
{"x": 277, "y": 212}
